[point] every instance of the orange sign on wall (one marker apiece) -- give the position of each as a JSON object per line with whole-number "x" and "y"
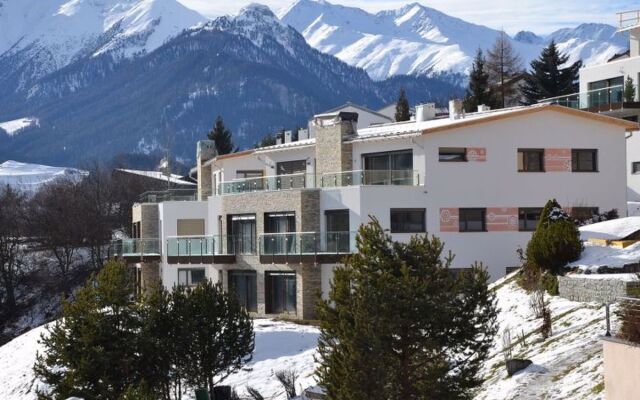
{"x": 502, "y": 219}
{"x": 476, "y": 154}
{"x": 449, "y": 218}
{"x": 557, "y": 160}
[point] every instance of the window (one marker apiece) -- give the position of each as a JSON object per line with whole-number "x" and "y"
{"x": 407, "y": 220}
{"x": 528, "y": 218}
{"x": 243, "y": 285}
{"x": 583, "y": 213}
{"x": 472, "y": 219}
{"x": 452, "y": 154}
{"x": 606, "y": 91}
{"x": 281, "y": 223}
{"x": 190, "y": 227}
{"x": 280, "y": 292}
{"x": 249, "y": 174}
{"x": 530, "y": 160}
{"x": 291, "y": 167}
{"x": 635, "y": 167}
{"x": 190, "y": 277}
{"x": 337, "y": 231}
{"x": 243, "y": 228}
{"x": 388, "y": 168}
{"x": 584, "y": 160}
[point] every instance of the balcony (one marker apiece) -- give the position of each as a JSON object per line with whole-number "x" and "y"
{"x": 401, "y": 177}
{"x": 201, "y": 250}
{"x": 310, "y": 247}
{"x": 136, "y": 249}
{"x": 303, "y": 181}
{"x": 628, "y": 20}
{"x": 169, "y": 195}
{"x": 606, "y": 100}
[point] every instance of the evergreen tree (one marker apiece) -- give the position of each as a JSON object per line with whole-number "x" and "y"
{"x": 478, "y": 91}
{"x": 402, "y": 107}
{"x": 547, "y": 79}
{"x": 222, "y": 137}
{"x": 629, "y": 90}
{"x": 90, "y": 350}
{"x": 399, "y": 324}
{"x": 504, "y": 67}
{"x": 267, "y": 140}
{"x": 216, "y": 334}
{"x": 556, "y": 240}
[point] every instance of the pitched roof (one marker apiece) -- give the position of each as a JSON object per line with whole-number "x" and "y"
{"x": 358, "y": 106}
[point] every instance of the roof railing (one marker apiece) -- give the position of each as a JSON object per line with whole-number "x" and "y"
{"x": 628, "y": 19}
{"x": 159, "y": 196}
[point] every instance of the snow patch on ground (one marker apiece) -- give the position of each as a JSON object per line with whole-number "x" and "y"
{"x": 614, "y": 229}
{"x": 17, "y": 125}
{"x": 595, "y": 256}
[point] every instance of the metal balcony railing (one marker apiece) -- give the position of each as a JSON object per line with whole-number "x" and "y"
{"x": 169, "y": 195}
{"x": 605, "y": 99}
{"x": 198, "y": 246}
{"x": 400, "y": 177}
{"x": 136, "y": 247}
{"x": 628, "y": 19}
{"x": 307, "y": 243}
{"x": 267, "y": 183}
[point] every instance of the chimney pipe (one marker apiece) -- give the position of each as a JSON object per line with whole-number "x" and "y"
{"x": 425, "y": 112}
{"x": 456, "y": 110}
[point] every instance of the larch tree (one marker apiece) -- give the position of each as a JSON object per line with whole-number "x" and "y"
{"x": 13, "y": 215}
{"x": 403, "y": 113}
{"x": 398, "y": 324}
{"x": 504, "y": 67}
{"x": 222, "y": 137}
{"x": 550, "y": 76}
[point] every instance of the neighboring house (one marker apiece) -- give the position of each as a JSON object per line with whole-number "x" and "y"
{"x": 282, "y": 217}
{"x": 602, "y": 91}
{"x": 366, "y": 116}
{"x": 171, "y": 180}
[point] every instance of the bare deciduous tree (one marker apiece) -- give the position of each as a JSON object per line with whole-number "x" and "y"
{"x": 504, "y": 67}
{"x": 12, "y": 238}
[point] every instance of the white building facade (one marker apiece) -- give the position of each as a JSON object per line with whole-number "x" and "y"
{"x": 272, "y": 223}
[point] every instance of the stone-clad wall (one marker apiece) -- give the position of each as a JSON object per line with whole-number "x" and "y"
{"x": 604, "y": 290}
{"x": 147, "y": 215}
{"x": 332, "y": 154}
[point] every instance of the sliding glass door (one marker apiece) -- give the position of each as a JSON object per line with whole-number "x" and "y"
{"x": 388, "y": 168}
{"x": 280, "y": 292}
{"x": 244, "y": 285}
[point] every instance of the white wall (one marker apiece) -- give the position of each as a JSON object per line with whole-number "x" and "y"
{"x": 633, "y": 155}
{"x": 623, "y": 67}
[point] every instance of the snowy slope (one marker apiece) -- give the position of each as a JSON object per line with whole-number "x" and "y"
{"x": 49, "y": 34}
{"x": 15, "y": 126}
{"x": 419, "y": 39}
{"x": 30, "y": 177}
{"x": 566, "y": 366}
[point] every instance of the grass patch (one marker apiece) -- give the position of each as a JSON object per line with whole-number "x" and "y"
{"x": 505, "y": 283}
{"x": 597, "y": 389}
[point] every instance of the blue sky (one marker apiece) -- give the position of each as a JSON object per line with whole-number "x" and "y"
{"x": 539, "y": 16}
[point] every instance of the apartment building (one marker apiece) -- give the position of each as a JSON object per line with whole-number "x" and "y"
{"x": 272, "y": 223}
{"x": 602, "y": 90}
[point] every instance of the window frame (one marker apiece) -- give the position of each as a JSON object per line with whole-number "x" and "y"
{"x": 269, "y": 294}
{"x": 189, "y": 272}
{"x": 635, "y": 164}
{"x": 524, "y": 211}
{"x": 251, "y": 303}
{"x": 575, "y": 160}
{"x": 441, "y": 153}
{"x": 462, "y": 219}
{"x": 404, "y": 229}
{"x": 525, "y": 154}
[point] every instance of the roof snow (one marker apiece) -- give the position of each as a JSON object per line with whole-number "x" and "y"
{"x": 177, "y": 179}
{"x": 595, "y": 256}
{"x": 615, "y": 229}
{"x": 17, "y": 125}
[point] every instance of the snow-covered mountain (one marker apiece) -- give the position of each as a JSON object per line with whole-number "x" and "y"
{"x": 415, "y": 39}
{"x": 38, "y": 37}
{"x": 29, "y": 178}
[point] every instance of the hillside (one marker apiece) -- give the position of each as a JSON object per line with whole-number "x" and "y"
{"x": 568, "y": 365}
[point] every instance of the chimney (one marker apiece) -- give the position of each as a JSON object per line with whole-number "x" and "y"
{"x": 456, "y": 110}
{"x": 483, "y": 108}
{"x": 287, "y": 136}
{"x": 279, "y": 137}
{"x": 206, "y": 150}
{"x": 333, "y": 153}
{"x": 303, "y": 134}
{"x": 425, "y": 112}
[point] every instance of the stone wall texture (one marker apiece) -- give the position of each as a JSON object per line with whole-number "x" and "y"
{"x": 332, "y": 153}
{"x": 147, "y": 215}
{"x": 594, "y": 290}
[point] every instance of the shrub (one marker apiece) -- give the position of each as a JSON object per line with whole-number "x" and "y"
{"x": 556, "y": 240}
{"x": 550, "y": 283}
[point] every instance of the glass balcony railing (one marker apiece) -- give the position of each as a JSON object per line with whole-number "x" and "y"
{"x": 267, "y": 183}
{"x": 136, "y": 247}
{"x": 401, "y": 177}
{"x": 198, "y": 246}
{"x": 608, "y": 98}
{"x": 169, "y": 195}
{"x": 307, "y": 243}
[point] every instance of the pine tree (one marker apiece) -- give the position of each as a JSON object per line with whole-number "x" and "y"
{"x": 222, "y": 137}
{"x": 629, "y": 90}
{"x": 402, "y": 107}
{"x": 547, "y": 79}
{"x": 478, "y": 92}
{"x": 504, "y": 67}
{"x": 399, "y": 325}
{"x": 216, "y": 334}
{"x": 90, "y": 352}
{"x": 556, "y": 240}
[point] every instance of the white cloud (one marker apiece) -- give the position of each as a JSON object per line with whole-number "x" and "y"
{"x": 540, "y": 16}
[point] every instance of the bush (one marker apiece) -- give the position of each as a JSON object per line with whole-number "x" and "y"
{"x": 550, "y": 283}
{"x": 556, "y": 240}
